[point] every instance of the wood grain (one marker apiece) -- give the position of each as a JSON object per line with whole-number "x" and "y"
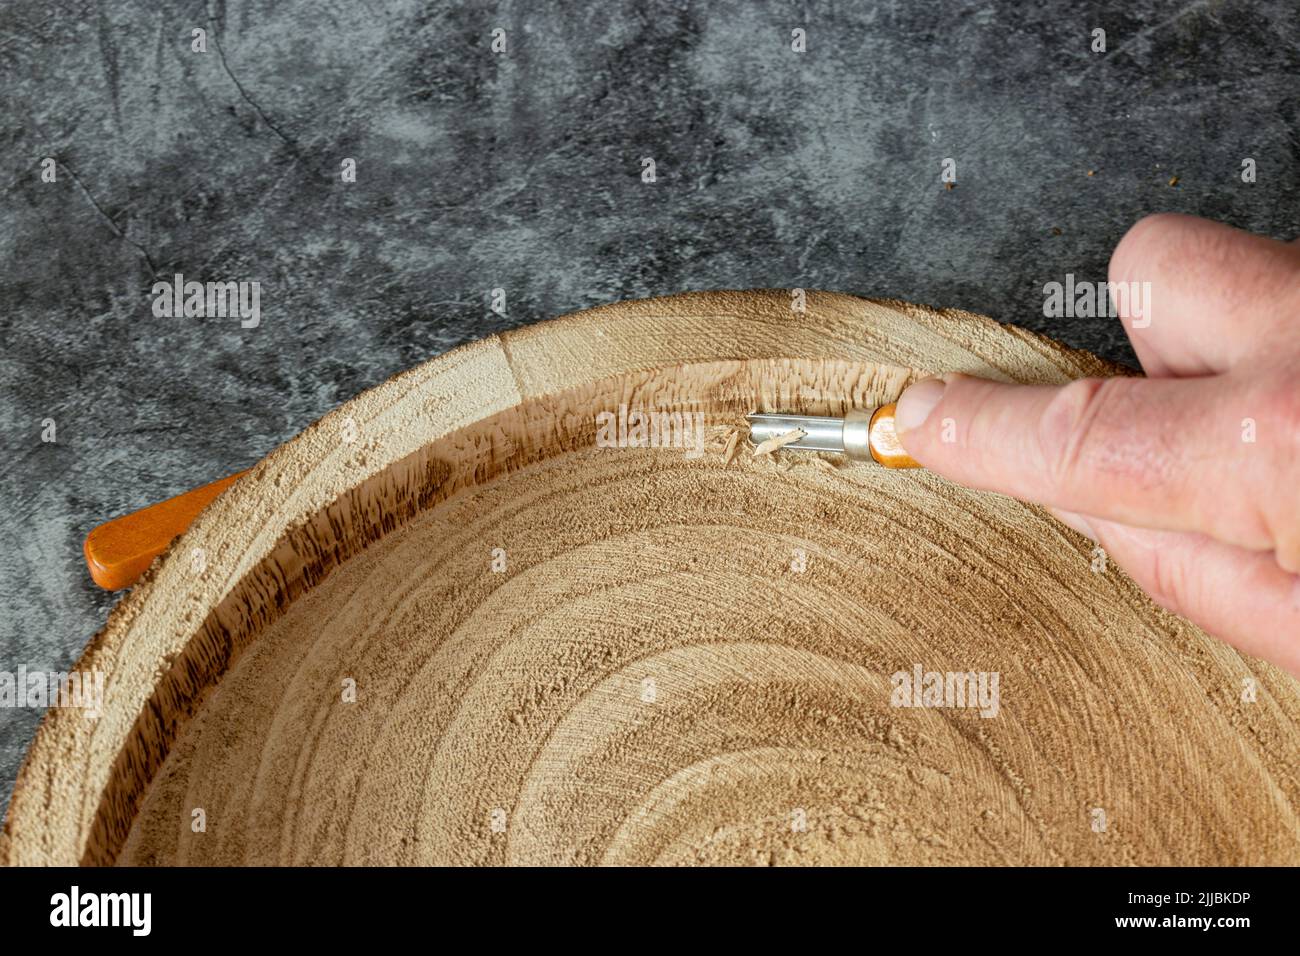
{"x": 502, "y": 716}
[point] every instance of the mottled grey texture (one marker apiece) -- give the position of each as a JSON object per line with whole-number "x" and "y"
{"x": 522, "y": 171}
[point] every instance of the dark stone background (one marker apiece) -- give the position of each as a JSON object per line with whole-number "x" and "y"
{"x": 522, "y": 171}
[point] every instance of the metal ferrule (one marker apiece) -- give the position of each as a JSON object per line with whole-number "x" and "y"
{"x": 857, "y": 434}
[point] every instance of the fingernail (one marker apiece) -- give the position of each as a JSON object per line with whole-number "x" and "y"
{"x": 1076, "y": 521}
{"x": 916, "y": 403}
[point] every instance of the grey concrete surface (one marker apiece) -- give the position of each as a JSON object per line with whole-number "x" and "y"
{"x": 521, "y": 170}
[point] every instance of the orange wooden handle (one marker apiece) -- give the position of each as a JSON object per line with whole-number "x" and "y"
{"x": 119, "y": 551}
{"x": 885, "y": 446}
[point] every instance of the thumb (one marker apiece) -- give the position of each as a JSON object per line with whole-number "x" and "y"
{"x": 1155, "y": 453}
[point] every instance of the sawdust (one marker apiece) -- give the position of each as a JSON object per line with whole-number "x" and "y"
{"x": 690, "y": 661}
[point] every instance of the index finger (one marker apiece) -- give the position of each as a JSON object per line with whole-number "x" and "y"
{"x": 1153, "y": 453}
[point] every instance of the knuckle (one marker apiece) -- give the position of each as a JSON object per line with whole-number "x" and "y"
{"x": 1106, "y": 436}
{"x": 1287, "y": 552}
{"x": 1068, "y": 430}
{"x": 1146, "y": 240}
{"x": 1170, "y": 573}
{"x": 1169, "y": 582}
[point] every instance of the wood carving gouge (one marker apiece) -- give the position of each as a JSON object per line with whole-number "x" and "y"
{"x": 861, "y": 435}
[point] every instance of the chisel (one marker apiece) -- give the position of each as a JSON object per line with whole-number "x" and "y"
{"x": 861, "y": 435}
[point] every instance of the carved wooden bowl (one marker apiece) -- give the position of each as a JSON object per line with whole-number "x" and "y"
{"x": 442, "y": 626}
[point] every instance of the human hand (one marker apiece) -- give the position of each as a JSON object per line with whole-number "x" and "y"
{"x": 1189, "y": 478}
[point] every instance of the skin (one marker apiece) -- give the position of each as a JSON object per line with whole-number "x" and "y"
{"x": 1158, "y": 470}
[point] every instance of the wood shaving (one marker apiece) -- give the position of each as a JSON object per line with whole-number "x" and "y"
{"x": 779, "y": 441}
{"x": 732, "y": 444}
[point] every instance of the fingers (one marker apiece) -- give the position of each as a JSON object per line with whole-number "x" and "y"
{"x": 1241, "y": 597}
{"x": 1164, "y": 453}
{"x": 1214, "y": 293}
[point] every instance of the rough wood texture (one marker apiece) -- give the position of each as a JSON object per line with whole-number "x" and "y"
{"x": 502, "y": 717}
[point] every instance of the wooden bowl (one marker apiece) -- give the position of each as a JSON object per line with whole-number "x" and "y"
{"x": 440, "y": 625}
